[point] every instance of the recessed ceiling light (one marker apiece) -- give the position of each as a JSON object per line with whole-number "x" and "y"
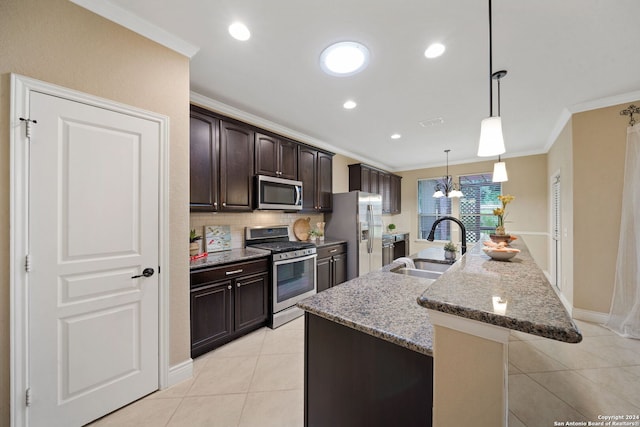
{"x": 350, "y": 104}
{"x": 396, "y": 136}
{"x": 239, "y": 31}
{"x": 434, "y": 50}
{"x": 344, "y": 58}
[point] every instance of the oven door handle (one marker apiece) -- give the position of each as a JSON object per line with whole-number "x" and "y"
{"x": 291, "y": 260}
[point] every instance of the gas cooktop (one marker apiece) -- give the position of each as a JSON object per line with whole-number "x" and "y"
{"x": 277, "y": 247}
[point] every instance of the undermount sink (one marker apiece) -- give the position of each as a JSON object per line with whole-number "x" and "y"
{"x": 426, "y": 269}
{"x": 418, "y": 273}
{"x": 424, "y": 264}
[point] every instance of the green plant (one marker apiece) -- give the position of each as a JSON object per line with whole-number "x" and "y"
{"x": 391, "y": 226}
{"x": 450, "y": 247}
{"x": 193, "y": 236}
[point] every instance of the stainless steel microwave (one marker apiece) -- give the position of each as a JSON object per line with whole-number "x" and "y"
{"x": 278, "y": 193}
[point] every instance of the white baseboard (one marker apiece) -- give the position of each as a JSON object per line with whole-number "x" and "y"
{"x": 590, "y": 316}
{"x": 180, "y": 372}
{"x": 567, "y": 304}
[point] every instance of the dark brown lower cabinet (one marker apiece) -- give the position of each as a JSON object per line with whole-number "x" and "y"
{"x": 227, "y": 302}
{"x": 331, "y": 266}
{"x": 354, "y": 379}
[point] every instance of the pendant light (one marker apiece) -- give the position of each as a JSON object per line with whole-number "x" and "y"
{"x": 500, "y": 171}
{"x": 446, "y": 187}
{"x": 491, "y": 141}
{"x": 499, "y": 168}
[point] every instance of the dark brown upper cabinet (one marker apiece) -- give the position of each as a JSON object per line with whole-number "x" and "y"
{"x": 371, "y": 180}
{"x": 316, "y": 173}
{"x": 203, "y": 161}
{"x": 236, "y": 167}
{"x": 276, "y": 157}
{"x": 227, "y": 154}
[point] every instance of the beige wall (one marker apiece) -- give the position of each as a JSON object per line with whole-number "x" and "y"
{"x": 599, "y": 142}
{"x": 61, "y": 43}
{"x": 560, "y": 161}
{"x": 528, "y": 213}
{"x": 341, "y": 173}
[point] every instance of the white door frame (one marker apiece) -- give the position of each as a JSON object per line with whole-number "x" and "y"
{"x": 21, "y": 87}
{"x": 555, "y": 241}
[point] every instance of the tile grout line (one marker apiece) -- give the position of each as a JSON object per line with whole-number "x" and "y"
{"x": 246, "y": 395}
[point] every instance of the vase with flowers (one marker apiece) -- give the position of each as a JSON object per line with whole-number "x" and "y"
{"x": 501, "y": 213}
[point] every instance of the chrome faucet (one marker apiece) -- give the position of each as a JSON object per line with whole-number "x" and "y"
{"x": 457, "y": 221}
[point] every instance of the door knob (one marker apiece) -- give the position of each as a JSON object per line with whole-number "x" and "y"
{"x": 147, "y": 272}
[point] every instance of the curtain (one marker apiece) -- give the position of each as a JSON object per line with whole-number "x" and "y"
{"x": 624, "y": 317}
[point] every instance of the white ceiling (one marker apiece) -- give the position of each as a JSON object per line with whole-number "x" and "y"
{"x": 558, "y": 54}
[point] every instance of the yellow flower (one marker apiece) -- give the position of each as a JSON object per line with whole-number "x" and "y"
{"x": 498, "y": 211}
{"x": 506, "y": 199}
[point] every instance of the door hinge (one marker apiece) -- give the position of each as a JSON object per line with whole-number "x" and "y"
{"x": 27, "y": 263}
{"x": 27, "y": 397}
{"x": 28, "y": 127}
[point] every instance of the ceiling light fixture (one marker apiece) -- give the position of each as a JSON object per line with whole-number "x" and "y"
{"x": 396, "y": 136}
{"x": 434, "y": 50}
{"x": 447, "y": 187}
{"x": 350, "y": 105}
{"x": 499, "y": 168}
{"x": 344, "y": 58}
{"x": 239, "y": 31}
{"x": 491, "y": 140}
{"x": 500, "y": 171}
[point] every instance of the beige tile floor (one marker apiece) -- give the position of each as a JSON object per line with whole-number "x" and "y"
{"x": 258, "y": 381}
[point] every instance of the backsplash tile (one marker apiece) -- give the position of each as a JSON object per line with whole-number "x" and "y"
{"x": 238, "y": 221}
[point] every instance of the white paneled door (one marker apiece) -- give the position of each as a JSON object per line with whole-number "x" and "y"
{"x": 93, "y": 231}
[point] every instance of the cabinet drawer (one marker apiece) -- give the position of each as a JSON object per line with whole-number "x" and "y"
{"x": 327, "y": 251}
{"x": 229, "y": 271}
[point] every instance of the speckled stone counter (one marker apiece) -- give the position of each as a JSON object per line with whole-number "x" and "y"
{"x": 380, "y": 304}
{"x": 327, "y": 242}
{"x": 468, "y": 289}
{"x": 227, "y": 257}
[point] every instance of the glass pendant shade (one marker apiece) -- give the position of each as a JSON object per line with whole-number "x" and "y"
{"x": 491, "y": 140}
{"x": 500, "y": 172}
{"x": 438, "y": 194}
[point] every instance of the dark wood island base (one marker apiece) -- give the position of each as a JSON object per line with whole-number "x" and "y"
{"x": 354, "y": 379}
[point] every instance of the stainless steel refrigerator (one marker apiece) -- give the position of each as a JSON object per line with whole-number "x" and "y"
{"x": 357, "y": 218}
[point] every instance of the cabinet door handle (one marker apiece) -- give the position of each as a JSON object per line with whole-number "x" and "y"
{"x": 333, "y": 250}
{"x": 229, "y": 273}
{"x": 224, "y": 203}
{"x": 229, "y": 287}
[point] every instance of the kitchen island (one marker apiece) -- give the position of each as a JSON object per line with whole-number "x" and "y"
{"x": 465, "y": 351}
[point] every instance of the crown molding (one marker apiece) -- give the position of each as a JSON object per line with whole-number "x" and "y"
{"x": 123, "y": 17}
{"x": 263, "y": 123}
{"x": 581, "y": 107}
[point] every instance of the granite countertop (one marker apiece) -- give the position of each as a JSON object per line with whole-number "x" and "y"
{"x": 387, "y": 234}
{"x": 468, "y": 289}
{"x": 380, "y": 304}
{"x": 327, "y": 242}
{"x": 227, "y": 257}
{"x": 390, "y": 306}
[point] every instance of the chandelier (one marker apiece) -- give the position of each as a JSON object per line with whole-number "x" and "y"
{"x": 446, "y": 187}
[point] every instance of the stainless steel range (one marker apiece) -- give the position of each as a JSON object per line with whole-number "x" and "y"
{"x": 293, "y": 276}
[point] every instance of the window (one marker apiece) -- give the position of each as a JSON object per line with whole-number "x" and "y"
{"x": 477, "y": 205}
{"x": 475, "y": 209}
{"x": 430, "y": 209}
